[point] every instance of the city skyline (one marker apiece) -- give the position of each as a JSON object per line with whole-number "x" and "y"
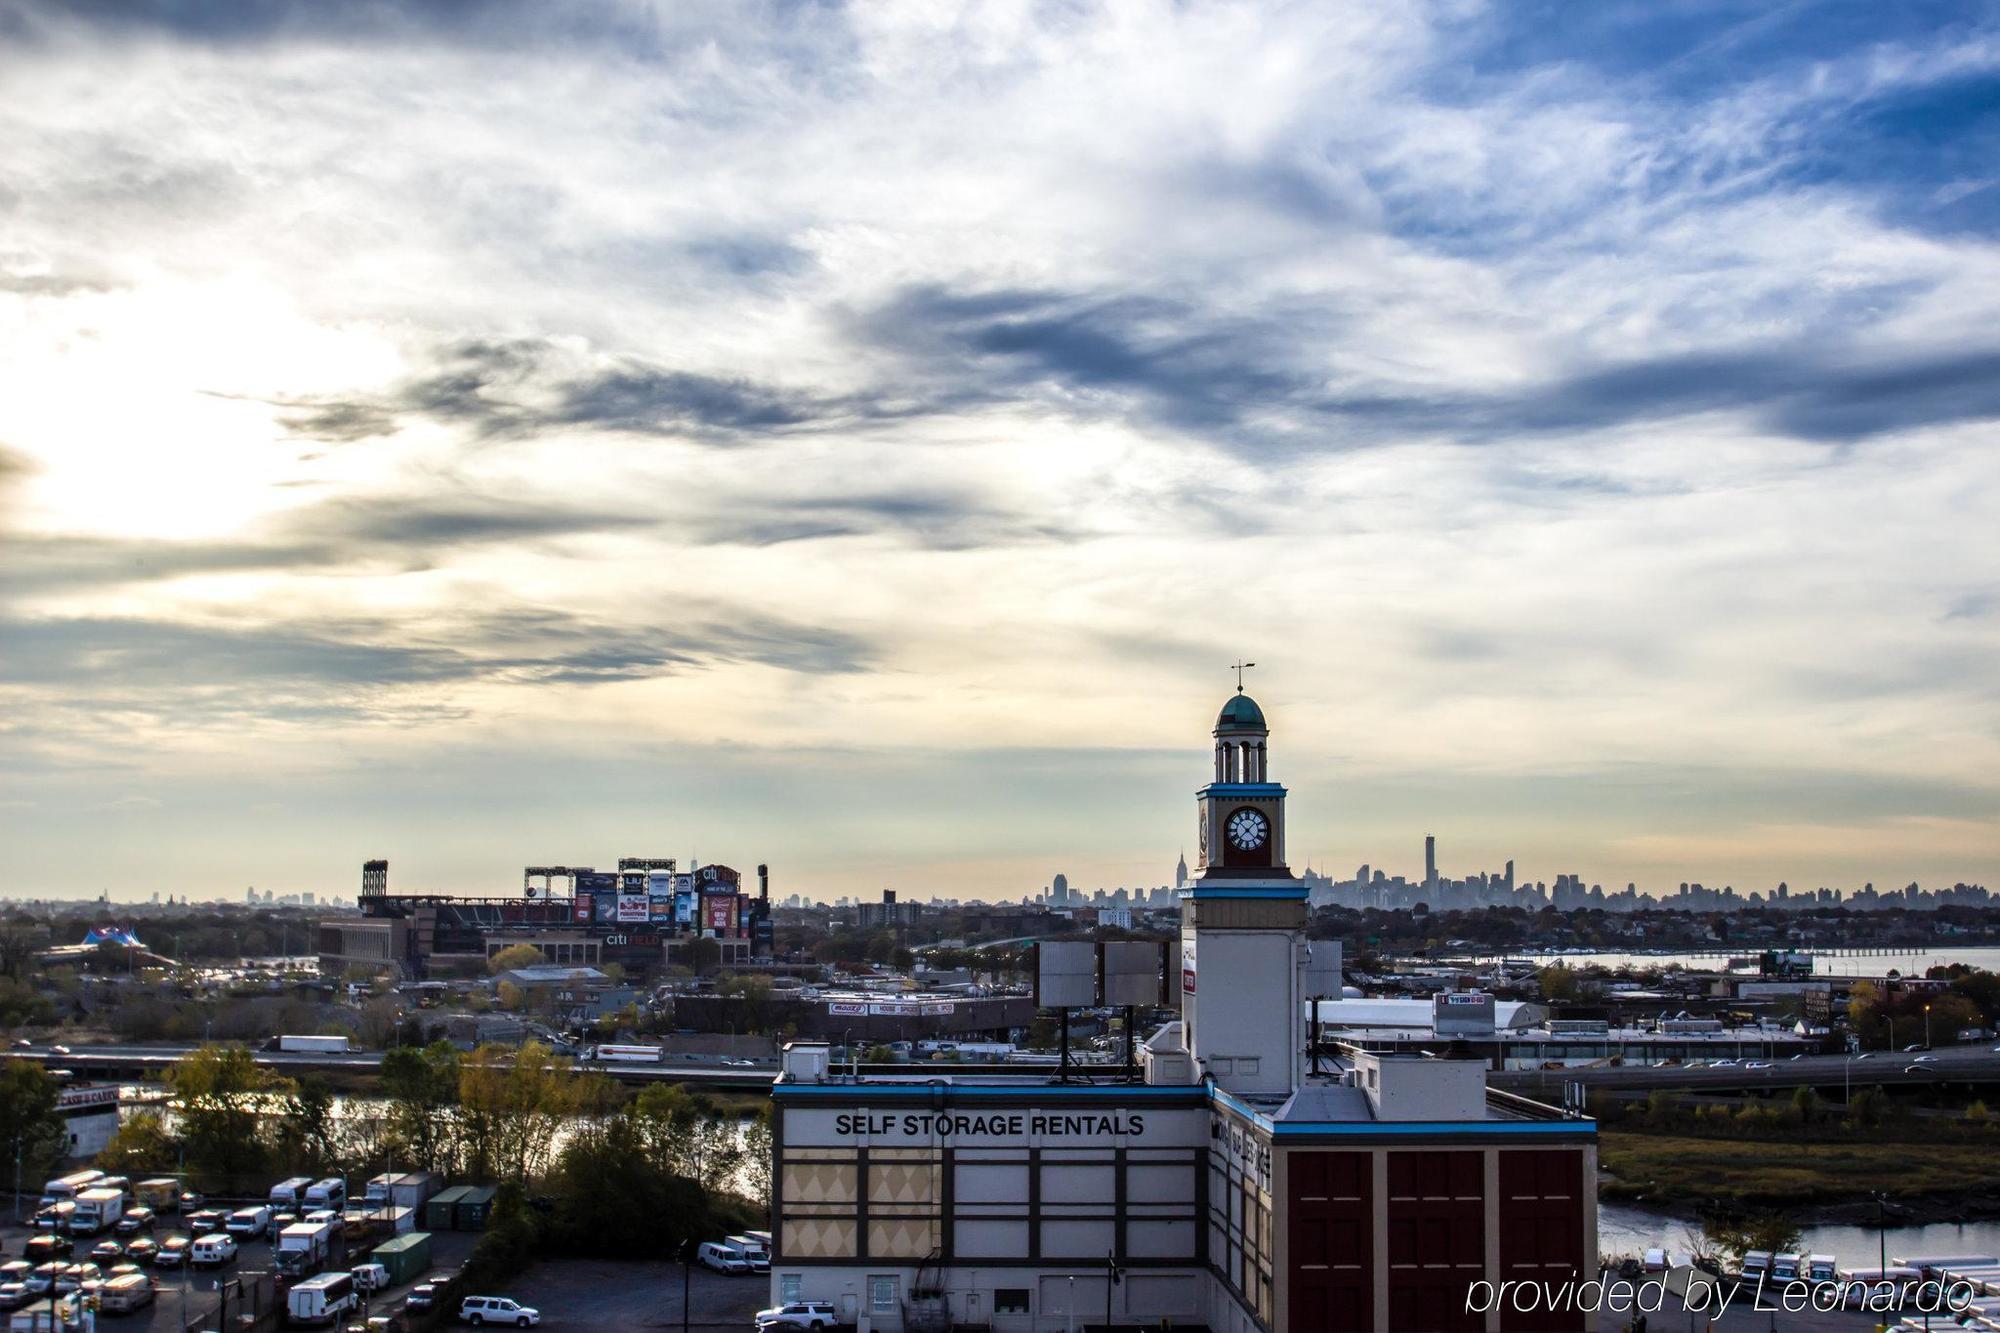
{"x": 860, "y": 440}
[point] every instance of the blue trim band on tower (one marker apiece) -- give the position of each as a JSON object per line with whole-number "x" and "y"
{"x": 1243, "y": 789}
{"x": 1200, "y": 891}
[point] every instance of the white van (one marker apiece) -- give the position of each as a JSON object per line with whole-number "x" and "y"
{"x": 249, "y": 1223}
{"x": 213, "y": 1250}
{"x": 753, "y": 1252}
{"x": 289, "y": 1194}
{"x": 722, "y": 1257}
{"x": 370, "y": 1278}
{"x": 122, "y": 1295}
{"x": 322, "y": 1300}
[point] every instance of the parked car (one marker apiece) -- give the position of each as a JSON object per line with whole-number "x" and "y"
{"x": 423, "y": 1297}
{"x": 15, "y": 1270}
{"x": 41, "y": 1249}
{"x": 142, "y": 1250}
{"x": 477, "y": 1310}
{"x": 206, "y": 1220}
{"x": 14, "y": 1295}
{"x": 134, "y": 1221}
{"x": 173, "y": 1252}
{"x": 812, "y": 1315}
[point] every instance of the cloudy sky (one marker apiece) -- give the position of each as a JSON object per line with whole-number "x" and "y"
{"x": 859, "y": 438}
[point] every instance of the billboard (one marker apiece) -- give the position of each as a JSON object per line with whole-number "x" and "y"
{"x": 685, "y": 905}
{"x": 847, "y": 1007}
{"x": 660, "y": 906}
{"x": 718, "y": 911}
{"x": 684, "y": 882}
{"x": 660, "y": 884}
{"x": 632, "y": 881}
{"x": 631, "y": 909}
{"x": 596, "y": 881}
{"x": 723, "y": 875}
{"x": 606, "y": 905}
{"x": 581, "y": 909}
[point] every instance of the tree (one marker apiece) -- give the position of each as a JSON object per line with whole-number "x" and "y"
{"x": 1738, "y": 1233}
{"x": 516, "y": 956}
{"x": 688, "y": 1134}
{"x": 422, "y": 1088}
{"x": 215, "y": 1094}
{"x": 141, "y": 1146}
{"x": 512, "y": 1104}
{"x": 30, "y": 1122}
{"x": 306, "y": 1134}
{"x": 757, "y": 1148}
{"x": 612, "y": 1171}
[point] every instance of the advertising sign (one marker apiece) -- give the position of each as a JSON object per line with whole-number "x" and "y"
{"x": 581, "y": 910}
{"x": 684, "y": 882}
{"x": 718, "y": 911}
{"x": 660, "y": 906}
{"x": 685, "y": 905}
{"x": 846, "y": 1007}
{"x": 660, "y": 883}
{"x": 631, "y": 908}
{"x": 632, "y": 881}
{"x": 606, "y": 906}
{"x": 596, "y": 881}
{"x": 1187, "y": 964}
{"x": 897, "y": 1008}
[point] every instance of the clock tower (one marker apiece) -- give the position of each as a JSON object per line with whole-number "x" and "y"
{"x": 1245, "y": 959}
{"x": 1240, "y": 832}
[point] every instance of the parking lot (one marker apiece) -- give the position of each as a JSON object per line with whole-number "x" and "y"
{"x": 448, "y": 1250}
{"x": 601, "y": 1294}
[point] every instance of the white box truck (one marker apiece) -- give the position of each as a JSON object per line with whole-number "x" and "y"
{"x": 302, "y": 1248}
{"x": 407, "y": 1190}
{"x": 629, "y": 1055}
{"x": 305, "y": 1045}
{"x": 322, "y": 1300}
{"x": 96, "y": 1210}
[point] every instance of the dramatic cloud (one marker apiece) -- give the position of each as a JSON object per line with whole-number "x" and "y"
{"x": 893, "y": 416}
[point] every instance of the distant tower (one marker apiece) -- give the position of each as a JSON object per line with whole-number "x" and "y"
{"x": 1430, "y": 861}
{"x": 1060, "y": 890}
{"x": 374, "y": 879}
{"x": 1180, "y": 872}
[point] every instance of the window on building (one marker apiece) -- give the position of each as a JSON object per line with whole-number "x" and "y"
{"x": 1010, "y": 1300}
{"x": 882, "y": 1295}
{"x": 788, "y": 1288}
{"x": 1247, "y": 1066}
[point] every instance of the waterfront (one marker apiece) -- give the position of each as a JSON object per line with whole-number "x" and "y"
{"x": 1625, "y": 1229}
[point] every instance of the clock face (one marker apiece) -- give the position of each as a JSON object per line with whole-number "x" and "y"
{"x": 1247, "y": 830}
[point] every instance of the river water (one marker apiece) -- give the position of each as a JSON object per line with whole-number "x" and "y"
{"x": 1625, "y": 1229}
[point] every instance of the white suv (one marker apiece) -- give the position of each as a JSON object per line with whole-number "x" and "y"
{"x": 476, "y": 1310}
{"x": 814, "y": 1315}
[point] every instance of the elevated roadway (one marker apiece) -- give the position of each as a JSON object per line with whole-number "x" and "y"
{"x": 150, "y": 1062}
{"x": 1955, "y": 1065}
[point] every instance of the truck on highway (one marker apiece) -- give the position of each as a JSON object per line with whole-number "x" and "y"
{"x": 306, "y": 1045}
{"x": 303, "y": 1248}
{"x": 96, "y": 1210}
{"x": 629, "y": 1055}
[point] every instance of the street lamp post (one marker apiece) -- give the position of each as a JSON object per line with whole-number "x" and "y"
{"x": 1927, "y": 1027}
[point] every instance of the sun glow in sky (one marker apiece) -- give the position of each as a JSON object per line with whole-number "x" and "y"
{"x": 858, "y": 438}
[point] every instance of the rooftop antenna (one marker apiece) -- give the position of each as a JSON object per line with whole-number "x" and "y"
{"x": 1239, "y": 668}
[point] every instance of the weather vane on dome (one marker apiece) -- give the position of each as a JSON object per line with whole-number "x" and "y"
{"x": 1239, "y": 668}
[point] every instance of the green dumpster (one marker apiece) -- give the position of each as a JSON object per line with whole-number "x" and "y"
{"x": 405, "y": 1256}
{"x": 473, "y": 1207}
{"x": 438, "y": 1208}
